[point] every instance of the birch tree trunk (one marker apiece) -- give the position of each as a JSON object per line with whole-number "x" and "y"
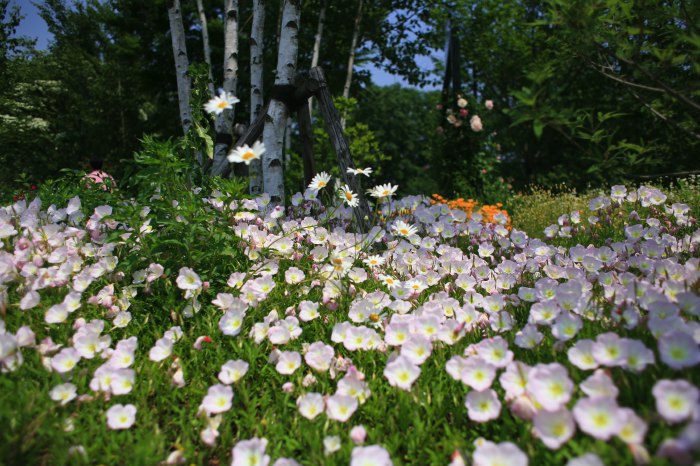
{"x": 317, "y": 45}
{"x": 224, "y": 122}
{"x": 353, "y": 46}
{"x": 256, "y": 86}
{"x": 207, "y": 49}
{"x": 184, "y": 83}
{"x": 277, "y": 113}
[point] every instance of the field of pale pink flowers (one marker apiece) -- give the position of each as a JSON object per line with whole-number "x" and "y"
{"x": 196, "y": 327}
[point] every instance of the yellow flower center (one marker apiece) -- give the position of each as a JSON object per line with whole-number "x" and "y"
{"x": 248, "y": 155}
{"x": 601, "y": 420}
{"x": 222, "y": 104}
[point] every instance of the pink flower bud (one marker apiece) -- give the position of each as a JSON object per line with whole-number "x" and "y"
{"x": 200, "y": 340}
{"x": 288, "y": 387}
{"x": 488, "y": 104}
{"x": 358, "y": 434}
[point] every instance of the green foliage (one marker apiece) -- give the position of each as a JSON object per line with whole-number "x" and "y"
{"x": 403, "y": 122}
{"x": 365, "y": 148}
{"x": 540, "y": 207}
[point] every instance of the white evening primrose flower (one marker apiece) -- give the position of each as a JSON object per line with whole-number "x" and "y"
{"x": 396, "y": 333}
{"x": 340, "y": 407}
{"x": 293, "y": 275}
{"x": 477, "y": 373}
{"x": 285, "y": 462}
{"x": 310, "y": 405}
{"x": 598, "y": 417}
{"x": 499, "y": 454}
{"x": 633, "y": 427}
{"x": 122, "y": 319}
{"x": 161, "y": 350}
{"x": 514, "y": 379}
{"x": 122, "y": 381}
{"x": 250, "y": 453}
{"x": 246, "y": 154}
{"x": 495, "y": 351}
{"x": 188, "y": 279}
{"x": 319, "y": 356}
{"x": 221, "y": 102}
{"x": 65, "y": 360}
{"x": 308, "y": 310}
{"x": 417, "y": 349}
{"x": 218, "y": 399}
{"x": 599, "y": 385}
{"x": 554, "y": 428}
{"x": 609, "y": 349}
{"x": 550, "y": 386}
{"x": 581, "y": 355}
{"x": 675, "y": 399}
{"x": 63, "y": 393}
{"x": 288, "y": 362}
{"x": 331, "y": 444}
{"x": 121, "y": 416}
{"x": 482, "y": 406}
{"x": 679, "y": 350}
{"x": 360, "y": 171}
{"x": 589, "y": 459}
{"x": 72, "y": 301}
{"x": 319, "y": 182}
{"x": 56, "y": 314}
{"x": 231, "y": 322}
{"x": 232, "y": 371}
{"x": 401, "y": 372}
{"x": 371, "y": 455}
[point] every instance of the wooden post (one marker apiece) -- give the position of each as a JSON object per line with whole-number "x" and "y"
{"x": 342, "y": 149}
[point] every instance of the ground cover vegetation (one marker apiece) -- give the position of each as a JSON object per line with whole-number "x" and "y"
{"x": 192, "y": 324}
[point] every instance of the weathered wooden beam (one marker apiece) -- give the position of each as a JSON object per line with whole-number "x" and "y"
{"x": 340, "y": 144}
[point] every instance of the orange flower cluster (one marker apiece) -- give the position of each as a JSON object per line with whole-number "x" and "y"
{"x": 470, "y": 206}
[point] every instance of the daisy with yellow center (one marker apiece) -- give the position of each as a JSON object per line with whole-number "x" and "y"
{"x": 402, "y": 228}
{"x": 383, "y": 190}
{"x": 319, "y": 181}
{"x": 246, "y": 154}
{"x": 349, "y": 197}
{"x": 360, "y": 171}
{"x": 218, "y": 104}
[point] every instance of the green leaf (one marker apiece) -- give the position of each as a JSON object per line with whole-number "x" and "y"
{"x": 538, "y": 127}
{"x": 208, "y": 141}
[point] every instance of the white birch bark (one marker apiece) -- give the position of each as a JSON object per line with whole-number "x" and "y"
{"x": 207, "y": 48}
{"x": 256, "y": 86}
{"x": 353, "y": 46}
{"x": 224, "y": 123}
{"x": 277, "y": 113}
{"x": 317, "y": 45}
{"x": 184, "y": 82}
